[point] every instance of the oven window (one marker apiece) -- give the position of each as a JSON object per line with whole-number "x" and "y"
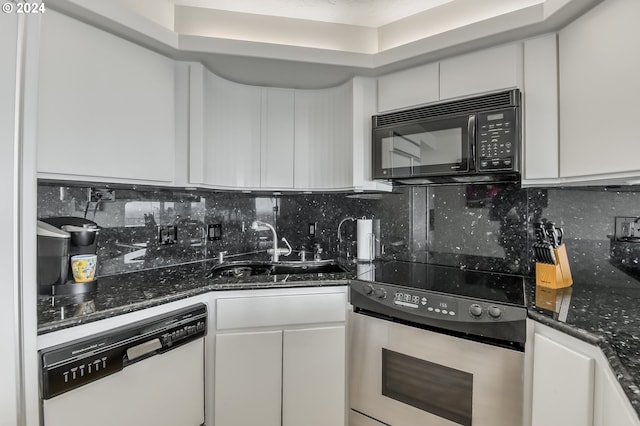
{"x": 440, "y": 390}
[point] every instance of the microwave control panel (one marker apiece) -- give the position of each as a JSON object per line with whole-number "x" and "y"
{"x": 498, "y": 141}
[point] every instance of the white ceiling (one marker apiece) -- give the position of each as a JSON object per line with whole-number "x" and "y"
{"x": 367, "y": 13}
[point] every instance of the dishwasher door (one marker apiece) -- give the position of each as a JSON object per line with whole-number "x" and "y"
{"x": 164, "y": 390}
{"x": 146, "y": 374}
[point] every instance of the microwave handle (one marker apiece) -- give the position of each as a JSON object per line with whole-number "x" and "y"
{"x": 471, "y": 127}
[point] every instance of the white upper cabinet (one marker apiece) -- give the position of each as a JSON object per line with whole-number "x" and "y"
{"x": 487, "y": 70}
{"x": 482, "y": 71}
{"x": 407, "y": 88}
{"x": 540, "y": 112}
{"x": 225, "y": 136}
{"x": 323, "y": 154}
{"x": 277, "y": 141}
{"x": 241, "y": 136}
{"x": 105, "y": 106}
{"x": 265, "y": 138}
{"x": 599, "y": 86}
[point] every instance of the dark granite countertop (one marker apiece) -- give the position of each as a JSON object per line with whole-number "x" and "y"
{"x": 601, "y": 309}
{"x": 129, "y": 292}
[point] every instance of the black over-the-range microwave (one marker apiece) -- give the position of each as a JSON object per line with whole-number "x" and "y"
{"x": 475, "y": 139}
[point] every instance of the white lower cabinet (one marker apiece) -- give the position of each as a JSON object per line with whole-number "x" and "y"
{"x": 563, "y": 381}
{"x": 570, "y": 382}
{"x": 615, "y": 409}
{"x": 248, "y": 378}
{"x": 313, "y": 377}
{"x": 280, "y": 358}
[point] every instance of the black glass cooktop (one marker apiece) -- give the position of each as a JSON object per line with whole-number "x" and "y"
{"x": 491, "y": 286}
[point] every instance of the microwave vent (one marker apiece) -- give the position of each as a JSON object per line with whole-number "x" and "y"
{"x": 491, "y": 101}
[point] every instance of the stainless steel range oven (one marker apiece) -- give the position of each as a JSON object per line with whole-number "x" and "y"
{"x": 435, "y": 345}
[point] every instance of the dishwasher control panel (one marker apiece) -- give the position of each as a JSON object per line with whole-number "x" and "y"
{"x": 74, "y": 364}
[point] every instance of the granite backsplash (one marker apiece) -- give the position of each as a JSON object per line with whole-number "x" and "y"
{"x": 486, "y": 227}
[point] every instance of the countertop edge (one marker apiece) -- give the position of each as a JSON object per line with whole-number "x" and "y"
{"x": 121, "y": 310}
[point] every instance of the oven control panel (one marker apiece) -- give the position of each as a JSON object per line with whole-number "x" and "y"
{"x": 432, "y": 304}
{"x": 425, "y": 307}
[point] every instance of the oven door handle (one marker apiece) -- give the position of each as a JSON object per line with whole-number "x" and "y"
{"x": 471, "y": 130}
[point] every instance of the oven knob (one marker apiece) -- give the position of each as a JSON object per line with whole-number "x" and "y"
{"x": 475, "y": 310}
{"x": 380, "y": 293}
{"x": 494, "y": 312}
{"x": 368, "y": 289}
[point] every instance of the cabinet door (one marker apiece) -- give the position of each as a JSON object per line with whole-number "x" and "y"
{"x": 277, "y": 138}
{"x": 403, "y": 89}
{"x": 483, "y": 71}
{"x": 541, "y": 148}
{"x": 599, "y": 86}
{"x": 314, "y": 377}
{"x": 616, "y": 409}
{"x": 563, "y": 385}
{"x": 105, "y": 105}
{"x": 248, "y": 379}
{"x": 323, "y": 138}
{"x": 231, "y": 136}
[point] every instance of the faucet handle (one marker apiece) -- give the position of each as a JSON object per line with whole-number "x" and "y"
{"x": 317, "y": 251}
{"x": 221, "y": 256}
{"x": 302, "y": 254}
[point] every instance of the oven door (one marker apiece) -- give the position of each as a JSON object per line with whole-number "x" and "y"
{"x": 403, "y": 376}
{"x": 437, "y": 147}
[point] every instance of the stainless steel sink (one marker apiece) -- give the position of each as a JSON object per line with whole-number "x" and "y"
{"x": 245, "y": 268}
{"x": 307, "y": 267}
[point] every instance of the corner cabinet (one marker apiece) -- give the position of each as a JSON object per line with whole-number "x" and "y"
{"x": 570, "y": 382}
{"x": 266, "y": 138}
{"x": 280, "y": 358}
{"x": 323, "y": 154}
{"x": 105, "y": 106}
{"x": 333, "y": 137}
{"x": 224, "y": 144}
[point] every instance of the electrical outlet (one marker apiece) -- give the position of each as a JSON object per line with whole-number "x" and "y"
{"x": 101, "y": 194}
{"x": 313, "y": 229}
{"x": 626, "y": 228}
{"x": 167, "y": 234}
{"x": 214, "y": 232}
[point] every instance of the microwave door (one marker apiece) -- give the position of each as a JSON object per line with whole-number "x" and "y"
{"x": 428, "y": 148}
{"x": 402, "y": 154}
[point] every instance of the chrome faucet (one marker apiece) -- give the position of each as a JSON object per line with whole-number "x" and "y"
{"x": 275, "y": 252}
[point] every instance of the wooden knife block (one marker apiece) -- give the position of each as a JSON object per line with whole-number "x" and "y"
{"x": 555, "y": 276}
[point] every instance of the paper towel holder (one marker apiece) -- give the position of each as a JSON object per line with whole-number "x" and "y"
{"x": 366, "y": 241}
